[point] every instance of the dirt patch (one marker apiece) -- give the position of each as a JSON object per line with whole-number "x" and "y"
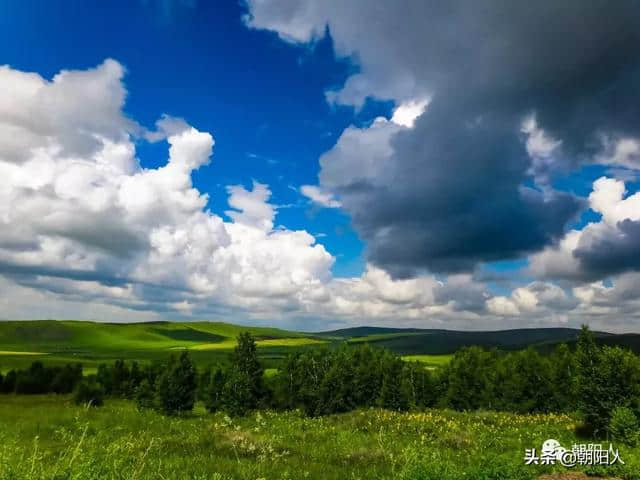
{"x": 574, "y": 476}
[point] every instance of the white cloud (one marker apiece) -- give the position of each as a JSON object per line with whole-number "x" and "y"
{"x": 623, "y": 152}
{"x": 86, "y": 232}
{"x": 406, "y": 113}
{"x": 319, "y": 196}
{"x": 608, "y": 246}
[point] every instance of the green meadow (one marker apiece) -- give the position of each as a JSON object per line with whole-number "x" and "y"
{"x": 48, "y": 437}
{"x": 430, "y": 361}
{"x": 62, "y": 342}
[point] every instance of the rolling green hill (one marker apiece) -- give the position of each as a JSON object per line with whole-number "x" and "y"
{"x": 91, "y": 343}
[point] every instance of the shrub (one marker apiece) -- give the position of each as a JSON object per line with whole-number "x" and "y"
{"x": 89, "y": 392}
{"x": 623, "y": 426}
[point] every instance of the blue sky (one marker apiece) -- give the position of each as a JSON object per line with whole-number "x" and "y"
{"x": 373, "y": 162}
{"x": 263, "y": 99}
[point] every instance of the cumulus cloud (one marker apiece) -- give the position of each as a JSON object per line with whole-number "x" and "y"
{"x": 517, "y": 93}
{"x": 86, "y": 232}
{"x": 77, "y": 210}
{"x": 607, "y": 247}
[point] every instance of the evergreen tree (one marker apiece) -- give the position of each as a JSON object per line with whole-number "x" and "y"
{"x": 237, "y": 397}
{"x": 175, "y": 389}
{"x": 395, "y": 391}
{"x": 144, "y": 395}
{"x": 469, "y": 379}
{"x": 245, "y": 360}
{"x": 89, "y": 392}
{"x": 213, "y": 397}
{"x": 563, "y": 377}
{"x": 590, "y": 387}
{"x": 67, "y": 378}
{"x": 9, "y": 382}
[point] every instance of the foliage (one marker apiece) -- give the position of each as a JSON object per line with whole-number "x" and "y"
{"x": 623, "y": 426}
{"x": 607, "y": 377}
{"x": 145, "y": 394}
{"x": 175, "y": 388}
{"x": 214, "y": 389}
{"x": 593, "y": 380}
{"x": 89, "y": 392}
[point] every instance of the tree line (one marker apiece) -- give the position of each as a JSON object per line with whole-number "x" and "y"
{"x": 603, "y": 383}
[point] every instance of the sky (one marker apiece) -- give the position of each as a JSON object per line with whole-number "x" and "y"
{"x": 316, "y": 165}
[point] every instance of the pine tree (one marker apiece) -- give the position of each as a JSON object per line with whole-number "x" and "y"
{"x": 245, "y": 360}
{"x": 176, "y": 386}
{"x": 144, "y": 395}
{"x": 237, "y": 397}
{"x": 213, "y": 397}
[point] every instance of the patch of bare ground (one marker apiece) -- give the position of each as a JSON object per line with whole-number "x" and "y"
{"x": 574, "y": 476}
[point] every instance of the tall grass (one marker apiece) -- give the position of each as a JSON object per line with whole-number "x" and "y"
{"x": 46, "y": 437}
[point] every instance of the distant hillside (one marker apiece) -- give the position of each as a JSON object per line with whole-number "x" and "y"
{"x": 354, "y": 332}
{"x": 91, "y": 343}
{"x": 438, "y": 341}
{"x": 61, "y": 335}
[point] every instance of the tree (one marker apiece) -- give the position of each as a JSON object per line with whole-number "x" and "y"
{"x": 9, "y": 382}
{"x": 395, "y": 393}
{"x": 89, "y": 392}
{"x": 176, "y": 386}
{"x": 66, "y": 378}
{"x": 213, "y": 395}
{"x": 144, "y": 395}
{"x": 245, "y": 360}
{"x": 563, "y": 377}
{"x": 237, "y": 397}
{"x": 522, "y": 382}
{"x": 590, "y": 387}
{"x": 469, "y": 379}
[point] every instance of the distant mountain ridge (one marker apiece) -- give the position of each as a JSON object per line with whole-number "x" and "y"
{"x": 413, "y": 341}
{"x": 83, "y": 339}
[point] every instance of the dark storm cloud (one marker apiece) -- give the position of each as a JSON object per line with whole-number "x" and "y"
{"x": 457, "y": 197}
{"x": 610, "y": 253}
{"x": 451, "y": 193}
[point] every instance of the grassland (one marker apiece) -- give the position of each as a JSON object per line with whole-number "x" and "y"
{"x": 61, "y": 342}
{"x": 46, "y": 437}
{"x": 430, "y": 361}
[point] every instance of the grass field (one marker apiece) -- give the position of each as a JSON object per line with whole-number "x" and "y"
{"x": 430, "y": 361}
{"x": 46, "y": 437}
{"x": 61, "y": 342}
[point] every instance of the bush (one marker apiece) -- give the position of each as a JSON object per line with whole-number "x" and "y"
{"x": 89, "y": 392}
{"x": 623, "y": 426}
